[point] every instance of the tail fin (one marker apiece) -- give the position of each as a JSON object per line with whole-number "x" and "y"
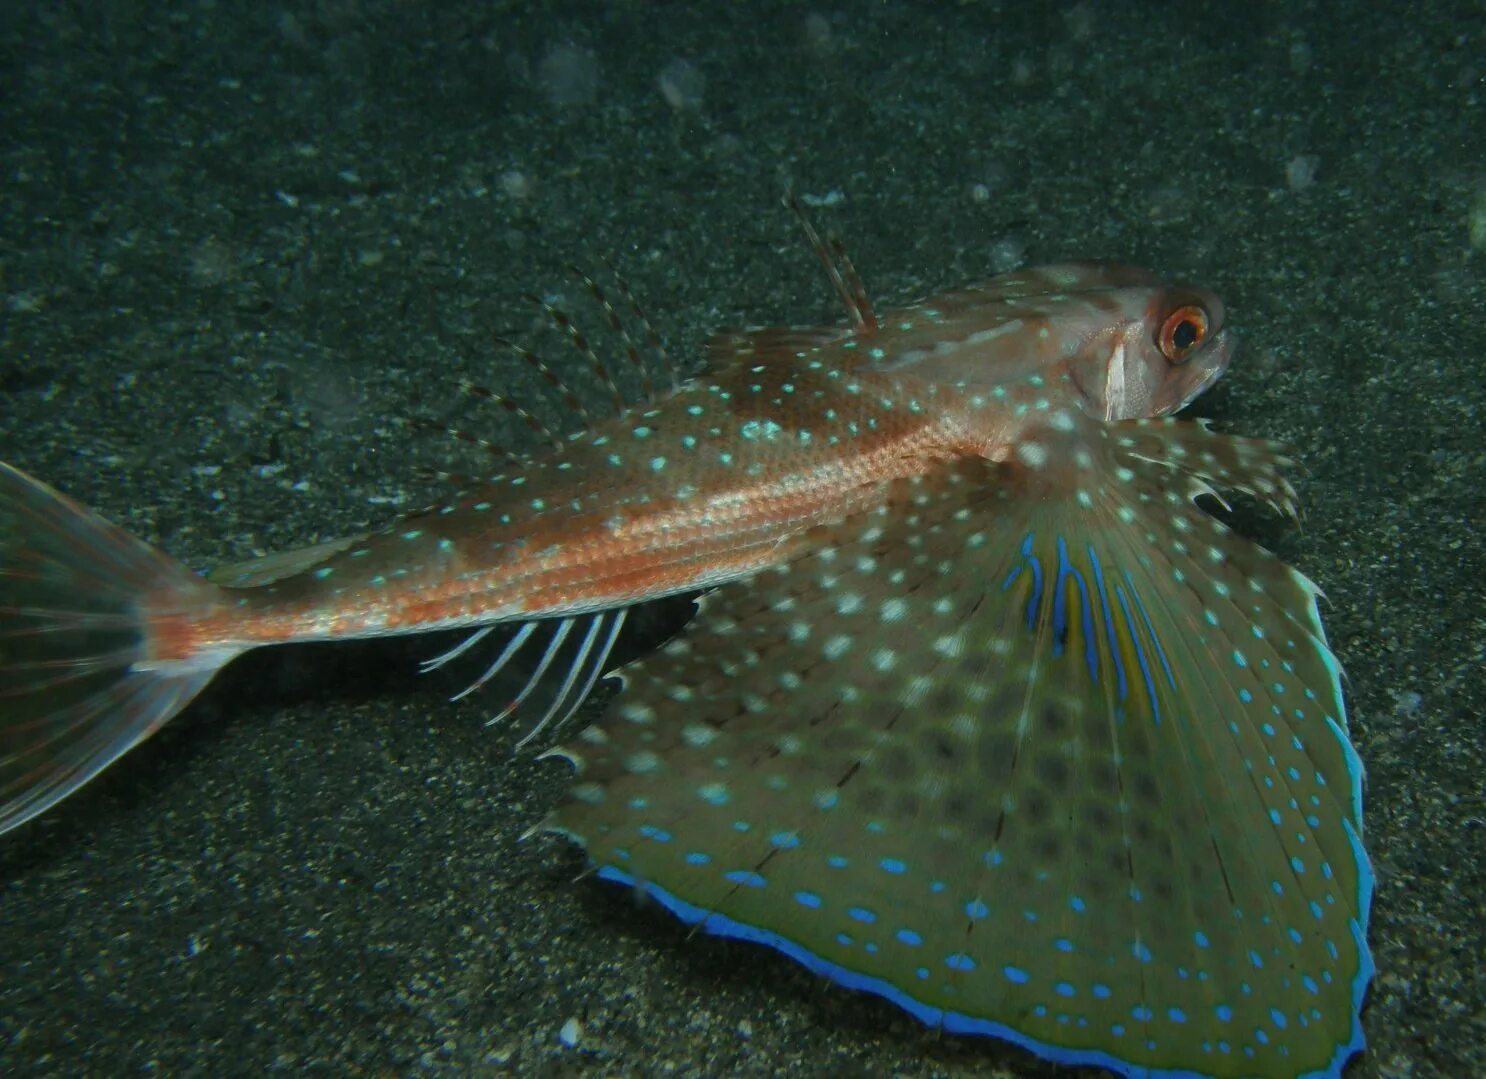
{"x": 79, "y": 686}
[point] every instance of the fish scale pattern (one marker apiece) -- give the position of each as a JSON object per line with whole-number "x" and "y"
{"x": 1074, "y": 775}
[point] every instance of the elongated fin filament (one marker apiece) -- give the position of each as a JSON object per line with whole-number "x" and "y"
{"x": 839, "y": 271}
{"x": 512, "y": 647}
{"x": 595, "y": 667}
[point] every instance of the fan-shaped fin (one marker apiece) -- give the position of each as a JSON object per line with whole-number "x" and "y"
{"x": 1042, "y": 753}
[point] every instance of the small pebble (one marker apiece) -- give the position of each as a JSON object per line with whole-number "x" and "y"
{"x": 1300, "y": 172}
{"x": 1408, "y": 702}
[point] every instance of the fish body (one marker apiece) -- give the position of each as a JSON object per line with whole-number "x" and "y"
{"x": 980, "y": 713}
{"x": 712, "y": 483}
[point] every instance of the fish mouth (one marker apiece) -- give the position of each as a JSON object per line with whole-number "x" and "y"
{"x": 1206, "y": 369}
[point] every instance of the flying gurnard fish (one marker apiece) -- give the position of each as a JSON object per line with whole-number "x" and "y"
{"x": 980, "y": 712}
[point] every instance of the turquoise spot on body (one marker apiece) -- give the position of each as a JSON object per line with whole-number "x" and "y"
{"x": 759, "y": 430}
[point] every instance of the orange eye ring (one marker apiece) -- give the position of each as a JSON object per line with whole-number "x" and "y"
{"x": 1182, "y": 333}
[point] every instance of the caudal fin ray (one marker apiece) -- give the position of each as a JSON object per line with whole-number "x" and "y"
{"x": 69, "y": 746}
{"x": 78, "y": 686}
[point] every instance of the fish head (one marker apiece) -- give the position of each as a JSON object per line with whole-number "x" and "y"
{"x": 1161, "y": 347}
{"x": 1121, "y": 343}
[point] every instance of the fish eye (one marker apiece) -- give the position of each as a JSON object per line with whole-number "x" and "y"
{"x": 1182, "y": 332}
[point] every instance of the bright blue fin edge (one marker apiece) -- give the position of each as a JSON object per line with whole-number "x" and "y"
{"x": 955, "y": 1023}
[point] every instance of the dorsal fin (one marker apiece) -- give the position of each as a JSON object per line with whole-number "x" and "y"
{"x": 769, "y": 343}
{"x": 839, "y": 270}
